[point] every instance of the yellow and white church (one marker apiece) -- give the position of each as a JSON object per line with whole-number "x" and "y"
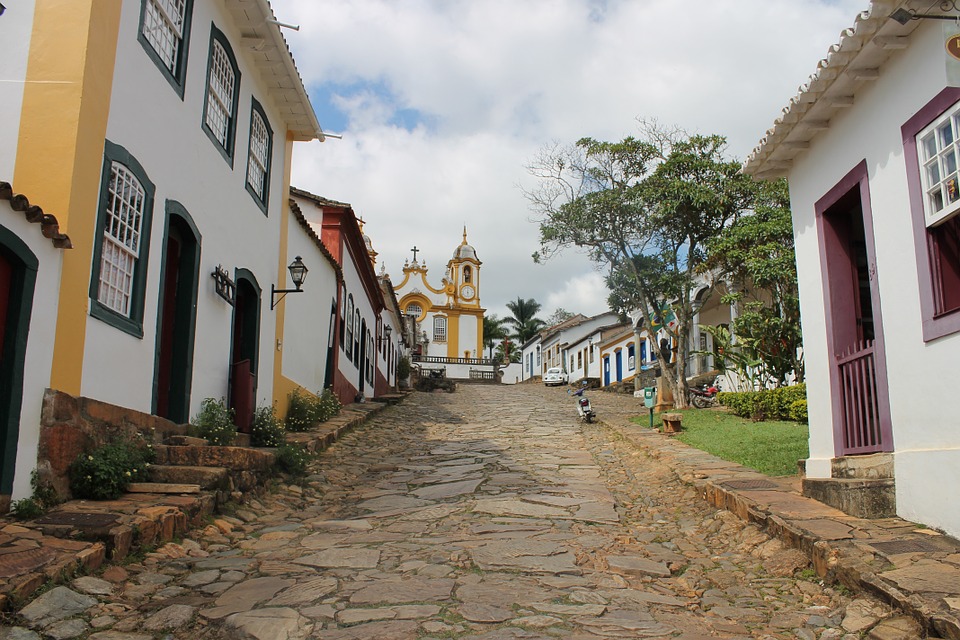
{"x": 449, "y": 317}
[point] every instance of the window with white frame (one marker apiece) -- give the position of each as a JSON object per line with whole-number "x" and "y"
{"x": 121, "y": 239}
{"x": 163, "y": 27}
{"x": 120, "y": 251}
{"x": 415, "y": 310}
{"x": 439, "y": 329}
{"x": 931, "y": 140}
{"x": 223, "y": 84}
{"x": 258, "y": 156}
{"x": 937, "y": 146}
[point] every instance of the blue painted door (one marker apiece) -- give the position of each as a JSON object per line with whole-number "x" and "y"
{"x": 606, "y": 371}
{"x": 619, "y": 366}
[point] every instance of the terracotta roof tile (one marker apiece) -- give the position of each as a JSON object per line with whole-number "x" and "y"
{"x": 49, "y": 226}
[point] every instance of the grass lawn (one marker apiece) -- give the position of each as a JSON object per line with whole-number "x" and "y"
{"x": 771, "y": 447}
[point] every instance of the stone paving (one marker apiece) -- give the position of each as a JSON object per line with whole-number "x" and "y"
{"x": 491, "y": 514}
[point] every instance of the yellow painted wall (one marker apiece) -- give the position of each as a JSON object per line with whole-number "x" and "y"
{"x": 66, "y": 103}
{"x": 281, "y": 385}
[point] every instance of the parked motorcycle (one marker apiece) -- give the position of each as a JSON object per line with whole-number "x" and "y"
{"x": 584, "y": 410}
{"x": 704, "y": 396}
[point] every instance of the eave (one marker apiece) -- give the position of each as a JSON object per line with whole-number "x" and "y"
{"x": 851, "y": 64}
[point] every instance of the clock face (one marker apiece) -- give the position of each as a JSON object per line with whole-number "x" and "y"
{"x": 467, "y": 291}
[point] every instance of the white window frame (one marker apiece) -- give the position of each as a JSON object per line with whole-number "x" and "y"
{"x": 939, "y": 160}
{"x": 163, "y": 29}
{"x": 126, "y": 205}
{"x": 440, "y": 329}
{"x": 414, "y": 309}
{"x": 221, "y": 86}
{"x": 259, "y": 149}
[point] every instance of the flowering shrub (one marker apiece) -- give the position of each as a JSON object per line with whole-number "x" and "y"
{"x": 305, "y": 410}
{"x": 293, "y": 459}
{"x": 105, "y": 473}
{"x": 267, "y": 429}
{"x": 767, "y": 404}
{"x": 214, "y": 422}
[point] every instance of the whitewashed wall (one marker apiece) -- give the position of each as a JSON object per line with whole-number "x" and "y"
{"x": 354, "y": 284}
{"x": 921, "y": 376}
{"x": 40, "y": 340}
{"x": 16, "y": 27}
{"x": 307, "y": 315}
{"x": 164, "y": 134}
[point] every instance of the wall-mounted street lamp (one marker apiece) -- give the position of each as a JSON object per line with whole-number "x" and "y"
{"x": 298, "y": 273}
{"x": 387, "y": 331}
{"x": 903, "y": 16}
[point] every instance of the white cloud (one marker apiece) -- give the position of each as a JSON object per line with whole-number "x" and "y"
{"x": 498, "y": 79}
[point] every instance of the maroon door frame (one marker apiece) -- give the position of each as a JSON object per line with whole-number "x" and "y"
{"x": 837, "y": 303}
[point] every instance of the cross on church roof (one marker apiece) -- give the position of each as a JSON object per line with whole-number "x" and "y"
{"x": 415, "y": 250}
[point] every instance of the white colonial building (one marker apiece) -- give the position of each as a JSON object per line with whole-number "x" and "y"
{"x": 870, "y": 148}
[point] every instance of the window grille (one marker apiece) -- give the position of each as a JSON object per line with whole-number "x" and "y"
{"x": 414, "y": 310}
{"x": 121, "y": 240}
{"x": 439, "y": 329}
{"x": 221, "y": 85}
{"x": 163, "y": 22}
{"x": 258, "y": 155}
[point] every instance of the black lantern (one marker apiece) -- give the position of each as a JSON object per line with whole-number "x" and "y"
{"x": 298, "y": 273}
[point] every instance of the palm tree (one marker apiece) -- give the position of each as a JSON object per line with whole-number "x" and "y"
{"x": 493, "y": 330}
{"x": 524, "y": 320}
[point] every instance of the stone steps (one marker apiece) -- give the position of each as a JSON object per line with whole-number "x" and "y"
{"x": 204, "y": 477}
{"x": 859, "y": 497}
{"x": 162, "y": 487}
{"x": 233, "y": 458}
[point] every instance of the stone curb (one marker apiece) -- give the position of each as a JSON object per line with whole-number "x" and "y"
{"x": 846, "y": 559}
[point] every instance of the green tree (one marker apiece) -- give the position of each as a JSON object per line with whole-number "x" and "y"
{"x": 558, "y": 316}
{"x": 523, "y": 318}
{"x": 508, "y": 351}
{"x": 756, "y": 255}
{"x": 493, "y": 331}
{"x": 644, "y": 209}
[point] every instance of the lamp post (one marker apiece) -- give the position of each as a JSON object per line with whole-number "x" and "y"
{"x": 298, "y": 273}
{"x": 387, "y": 332}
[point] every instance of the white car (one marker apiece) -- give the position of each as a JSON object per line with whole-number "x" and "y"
{"x": 554, "y": 376}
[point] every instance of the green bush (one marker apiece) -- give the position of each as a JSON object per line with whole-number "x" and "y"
{"x": 42, "y": 498}
{"x": 326, "y": 406}
{"x": 767, "y": 404}
{"x": 403, "y": 368}
{"x": 214, "y": 422}
{"x": 267, "y": 429}
{"x": 798, "y": 411}
{"x": 106, "y": 472}
{"x": 299, "y": 411}
{"x": 305, "y": 410}
{"x": 293, "y": 459}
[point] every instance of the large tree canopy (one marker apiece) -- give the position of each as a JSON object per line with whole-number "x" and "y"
{"x": 756, "y": 255}
{"x": 644, "y": 209}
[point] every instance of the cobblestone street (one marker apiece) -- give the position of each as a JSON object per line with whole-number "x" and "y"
{"x": 490, "y": 513}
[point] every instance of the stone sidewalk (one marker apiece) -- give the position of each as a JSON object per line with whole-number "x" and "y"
{"x": 910, "y": 567}
{"x": 80, "y": 535}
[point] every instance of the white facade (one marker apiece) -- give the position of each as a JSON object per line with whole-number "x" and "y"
{"x": 163, "y": 133}
{"x": 41, "y": 334}
{"x": 16, "y": 27}
{"x": 308, "y": 317}
{"x": 865, "y": 151}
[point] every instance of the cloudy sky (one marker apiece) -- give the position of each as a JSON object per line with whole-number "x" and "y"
{"x": 442, "y": 103}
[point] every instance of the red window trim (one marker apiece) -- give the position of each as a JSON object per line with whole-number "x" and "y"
{"x": 934, "y": 326}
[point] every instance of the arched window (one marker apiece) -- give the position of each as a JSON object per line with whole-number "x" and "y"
{"x": 348, "y": 341}
{"x": 415, "y": 310}
{"x": 467, "y": 273}
{"x": 223, "y": 83}
{"x": 356, "y": 337}
{"x": 439, "y": 329}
